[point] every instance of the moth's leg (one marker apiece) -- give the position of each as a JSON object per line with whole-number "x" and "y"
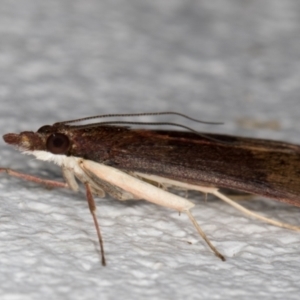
{"x": 238, "y": 196}
{"x": 69, "y": 177}
{"x": 214, "y": 191}
{"x": 253, "y": 214}
{"x": 113, "y": 190}
{"x": 143, "y": 190}
{"x": 92, "y": 207}
{"x": 203, "y": 235}
{"x": 47, "y": 182}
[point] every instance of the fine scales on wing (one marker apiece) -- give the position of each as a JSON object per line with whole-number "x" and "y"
{"x": 134, "y": 163}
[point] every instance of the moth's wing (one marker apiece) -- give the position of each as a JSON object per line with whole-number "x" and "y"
{"x": 262, "y": 167}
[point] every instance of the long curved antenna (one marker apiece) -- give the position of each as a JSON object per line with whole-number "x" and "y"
{"x": 137, "y": 115}
{"x": 148, "y": 124}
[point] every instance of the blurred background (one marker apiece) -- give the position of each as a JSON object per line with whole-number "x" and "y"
{"x": 215, "y": 60}
{"x": 223, "y": 60}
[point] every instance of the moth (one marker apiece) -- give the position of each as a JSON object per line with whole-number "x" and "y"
{"x": 126, "y": 163}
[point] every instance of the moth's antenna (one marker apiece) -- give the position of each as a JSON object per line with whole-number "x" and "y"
{"x": 146, "y": 123}
{"x": 137, "y": 115}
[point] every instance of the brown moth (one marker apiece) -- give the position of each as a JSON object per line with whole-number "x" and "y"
{"x": 141, "y": 164}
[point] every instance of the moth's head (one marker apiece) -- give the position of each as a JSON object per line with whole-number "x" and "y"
{"x": 47, "y": 138}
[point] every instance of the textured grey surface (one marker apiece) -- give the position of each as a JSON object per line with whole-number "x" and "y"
{"x": 214, "y": 60}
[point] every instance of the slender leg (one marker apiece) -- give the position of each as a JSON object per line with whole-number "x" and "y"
{"x": 92, "y": 207}
{"x": 203, "y": 235}
{"x": 253, "y": 214}
{"x": 143, "y": 190}
{"x": 50, "y": 183}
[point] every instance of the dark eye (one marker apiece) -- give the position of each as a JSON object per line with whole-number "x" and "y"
{"x": 58, "y": 143}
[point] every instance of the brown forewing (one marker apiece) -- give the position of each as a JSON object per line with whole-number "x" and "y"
{"x": 262, "y": 167}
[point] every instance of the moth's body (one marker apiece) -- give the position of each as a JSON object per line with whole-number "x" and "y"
{"x": 133, "y": 164}
{"x": 262, "y": 167}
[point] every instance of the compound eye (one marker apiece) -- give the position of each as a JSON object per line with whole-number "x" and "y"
{"x": 58, "y": 143}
